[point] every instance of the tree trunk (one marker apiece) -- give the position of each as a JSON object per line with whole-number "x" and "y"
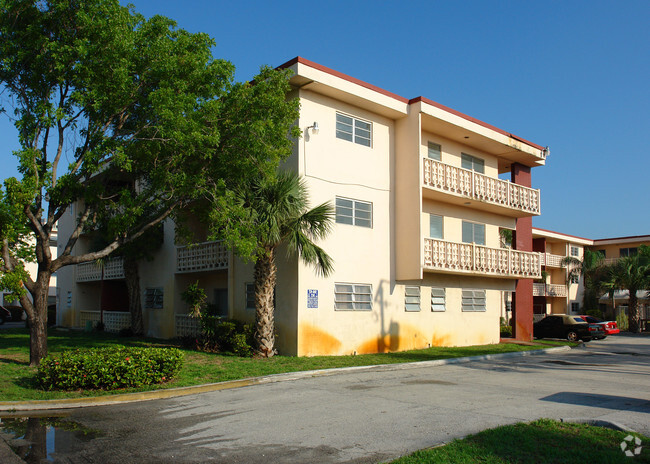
{"x": 36, "y": 310}
{"x": 132, "y": 277}
{"x": 634, "y": 313}
{"x": 265, "y": 278}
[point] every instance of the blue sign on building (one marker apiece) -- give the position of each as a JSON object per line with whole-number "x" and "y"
{"x": 312, "y": 298}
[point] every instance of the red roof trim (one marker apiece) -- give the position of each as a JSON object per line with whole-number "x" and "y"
{"x": 562, "y": 233}
{"x": 327, "y": 70}
{"x": 641, "y": 237}
{"x": 474, "y": 120}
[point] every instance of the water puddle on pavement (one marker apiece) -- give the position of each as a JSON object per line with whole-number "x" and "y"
{"x": 36, "y": 439}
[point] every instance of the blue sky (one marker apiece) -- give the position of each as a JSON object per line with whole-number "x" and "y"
{"x": 573, "y": 75}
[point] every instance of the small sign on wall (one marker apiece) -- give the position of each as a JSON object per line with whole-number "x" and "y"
{"x": 312, "y": 298}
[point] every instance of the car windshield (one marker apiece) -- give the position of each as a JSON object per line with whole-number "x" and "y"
{"x": 578, "y": 319}
{"x": 592, "y": 319}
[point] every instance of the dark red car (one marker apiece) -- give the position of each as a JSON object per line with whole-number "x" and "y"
{"x": 610, "y": 327}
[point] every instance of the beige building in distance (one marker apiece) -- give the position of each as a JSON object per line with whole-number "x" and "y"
{"x": 416, "y": 244}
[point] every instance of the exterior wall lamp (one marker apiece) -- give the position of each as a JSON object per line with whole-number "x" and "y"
{"x": 314, "y": 128}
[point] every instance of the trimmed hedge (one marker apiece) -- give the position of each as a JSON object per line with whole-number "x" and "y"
{"x": 109, "y": 368}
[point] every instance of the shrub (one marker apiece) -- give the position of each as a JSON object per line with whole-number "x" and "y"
{"x": 506, "y": 331}
{"x": 224, "y": 335}
{"x": 109, "y": 368}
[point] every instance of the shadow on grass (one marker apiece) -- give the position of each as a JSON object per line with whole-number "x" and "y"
{"x": 14, "y": 361}
{"x": 538, "y": 442}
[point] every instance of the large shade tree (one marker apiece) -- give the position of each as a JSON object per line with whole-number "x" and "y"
{"x": 278, "y": 209}
{"x": 129, "y": 120}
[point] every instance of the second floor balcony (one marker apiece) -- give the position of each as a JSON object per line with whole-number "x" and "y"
{"x": 551, "y": 260}
{"x": 541, "y": 289}
{"x": 458, "y": 185}
{"x": 469, "y": 258}
{"x": 200, "y": 257}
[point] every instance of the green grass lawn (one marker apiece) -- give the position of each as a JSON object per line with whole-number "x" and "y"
{"x": 542, "y": 441}
{"x": 17, "y": 378}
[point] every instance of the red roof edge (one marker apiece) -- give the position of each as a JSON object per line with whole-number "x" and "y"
{"x": 332, "y": 72}
{"x": 561, "y": 233}
{"x": 311, "y": 64}
{"x": 474, "y": 120}
{"x": 643, "y": 237}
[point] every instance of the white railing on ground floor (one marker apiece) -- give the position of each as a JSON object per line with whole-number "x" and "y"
{"x": 187, "y": 325}
{"x": 114, "y": 321}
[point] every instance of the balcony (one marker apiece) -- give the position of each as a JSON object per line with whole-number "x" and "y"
{"x": 550, "y": 260}
{"x": 549, "y": 290}
{"x": 457, "y": 185}
{"x": 200, "y": 257}
{"x": 468, "y": 258}
{"x": 89, "y": 272}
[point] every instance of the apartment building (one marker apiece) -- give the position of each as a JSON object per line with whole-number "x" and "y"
{"x": 421, "y": 194}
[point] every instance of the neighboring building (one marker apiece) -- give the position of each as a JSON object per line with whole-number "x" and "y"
{"x": 613, "y": 249}
{"x": 32, "y": 268}
{"x": 416, "y": 243}
{"x": 556, "y": 293}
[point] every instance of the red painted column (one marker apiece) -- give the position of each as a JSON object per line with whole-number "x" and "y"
{"x": 522, "y": 299}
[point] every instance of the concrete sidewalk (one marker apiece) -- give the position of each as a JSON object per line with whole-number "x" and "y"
{"x": 11, "y": 407}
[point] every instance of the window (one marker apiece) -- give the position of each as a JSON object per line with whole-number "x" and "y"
{"x": 153, "y": 298}
{"x": 353, "y": 130}
{"x": 435, "y": 226}
{"x": 353, "y": 212}
{"x": 575, "y": 308}
{"x": 574, "y": 278}
{"x": 352, "y": 297}
{"x": 627, "y": 252}
{"x": 602, "y": 253}
{"x": 220, "y": 305}
{"x": 473, "y": 300}
{"x": 472, "y": 163}
{"x": 473, "y": 233}
{"x": 575, "y": 251}
{"x": 437, "y": 299}
{"x": 412, "y": 298}
{"x": 250, "y": 296}
{"x": 434, "y": 151}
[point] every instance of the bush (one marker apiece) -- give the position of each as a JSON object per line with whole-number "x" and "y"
{"x": 224, "y": 335}
{"x": 109, "y": 368}
{"x": 506, "y": 331}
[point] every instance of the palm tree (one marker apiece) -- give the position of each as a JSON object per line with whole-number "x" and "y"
{"x": 631, "y": 273}
{"x": 591, "y": 268}
{"x": 279, "y": 210}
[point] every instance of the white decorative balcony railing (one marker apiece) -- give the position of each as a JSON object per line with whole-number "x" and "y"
{"x": 467, "y": 183}
{"x": 552, "y": 260}
{"x": 540, "y": 289}
{"x": 206, "y": 256}
{"x": 477, "y": 259}
{"x": 113, "y": 269}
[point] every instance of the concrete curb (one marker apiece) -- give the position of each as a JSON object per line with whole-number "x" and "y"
{"x": 11, "y": 407}
{"x": 600, "y": 423}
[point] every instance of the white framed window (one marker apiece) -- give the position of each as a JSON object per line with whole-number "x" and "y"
{"x": 437, "y": 299}
{"x": 153, "y": 298}
{"x": 353, "y": 212}
{"x": 574, "y": 278}
{"x": 473, "y": 232}
{"x": 472, "y": 163}
{"x": 435, "y": 226}
{"x": 352, "y": 297}
{"x": 412, "y": 298}
{"x": 250, "y": 295}
{"x": 353, "y": 130}
{"x": 434, "y": 151}
{"x": 574, "y": 251}
{"x": 473, "y": 300}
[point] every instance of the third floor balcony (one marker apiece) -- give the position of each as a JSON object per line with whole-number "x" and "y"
{"x": 466, "y": 187}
